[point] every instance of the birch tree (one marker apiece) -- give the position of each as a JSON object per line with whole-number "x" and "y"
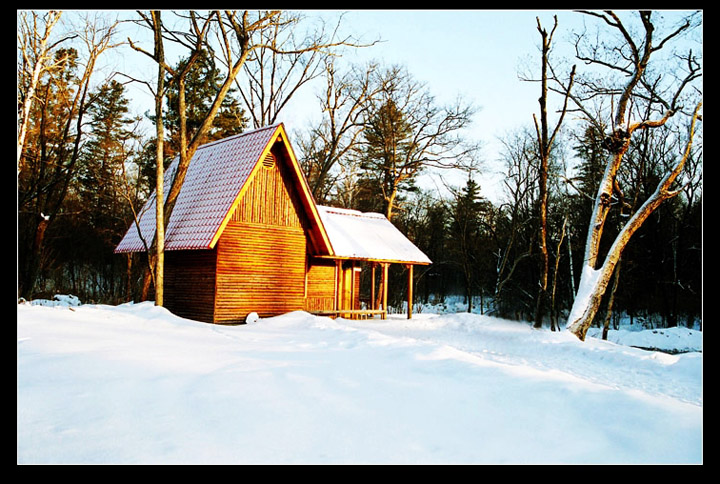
{"x": 55, "y": 132}
{"x": 642, "y": 82}
{"x": 36, "y": 55}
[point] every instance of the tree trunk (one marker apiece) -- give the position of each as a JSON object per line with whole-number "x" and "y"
{"x": 553, "y": 314}
{"x": 128, "y": 278}
{"x": 594, "y": 282}
{"x": 160, "y": 168}
{"x": 611, "y": 301}
{"x": 468, "y": 293}
{"x": 32, "y": 269}
{"x": 545, "y": 142}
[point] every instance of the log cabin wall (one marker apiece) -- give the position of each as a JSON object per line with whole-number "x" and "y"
{"x": 262, "y": 251}
{"x": 320, "y": 285}
{"x": 190, "y": 283}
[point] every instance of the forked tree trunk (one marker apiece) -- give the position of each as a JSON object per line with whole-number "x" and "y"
{"x": 594, "y": 282}
{"x": 595, "y": 277}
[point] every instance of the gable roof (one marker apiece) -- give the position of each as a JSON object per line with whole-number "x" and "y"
{"x": 214, "y": 185}
{"x": 368, "y": 236}
{"x": 212, "y": 189}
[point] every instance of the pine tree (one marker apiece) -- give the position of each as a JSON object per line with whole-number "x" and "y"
{"x": 467, "y": 229}
{"x": 98, "y": 213}
{"x": 387, "y": 147}
{"x": 47, "y": 164}
{"x": 102, "y": 159}
{"x": 202, "y": 83}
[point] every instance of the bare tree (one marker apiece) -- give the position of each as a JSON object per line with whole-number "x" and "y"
{"x": 36, "y": 53}
{"x": 240, "y": 36}
{"x": 521, "y": 184}
{"x": 545, "y": 144}
{"x": 58, "y": 125}
{"x": 344, "y": 103}
{"x": 643, "y": 85}
{"x": 408, "y": 132}
{"x": 274, "y": 75}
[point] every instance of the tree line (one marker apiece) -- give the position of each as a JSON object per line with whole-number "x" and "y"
{"x": 576, "y": 181}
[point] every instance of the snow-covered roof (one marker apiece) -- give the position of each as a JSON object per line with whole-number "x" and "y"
{"x": 367, "y": 236}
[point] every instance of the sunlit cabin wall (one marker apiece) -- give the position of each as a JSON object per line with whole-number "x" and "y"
{"x": 320, "y": 285}
{"x": 262, "y": 251}
{"x": 350, "y": 286}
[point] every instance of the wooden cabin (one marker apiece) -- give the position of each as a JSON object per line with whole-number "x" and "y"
{"x": 246, "y": 236}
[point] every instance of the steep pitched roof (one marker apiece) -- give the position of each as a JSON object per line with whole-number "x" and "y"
{"x": 368, "y": 236}
{"x": 213, "y": 186}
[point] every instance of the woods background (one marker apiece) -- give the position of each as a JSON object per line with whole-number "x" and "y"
{"x": 86, "y": 164}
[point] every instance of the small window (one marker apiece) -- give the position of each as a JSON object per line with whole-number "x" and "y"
{"x": 269, "y": 161}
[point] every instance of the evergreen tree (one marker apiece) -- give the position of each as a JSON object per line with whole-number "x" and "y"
{"x": 48, "y": 165}
{"x": 465, "y": 232}
{"x": 105, "y": 151}
{"x": 202, "y": 83}
{"x": 387, "y": 146}
{"x": 84, "y": 242}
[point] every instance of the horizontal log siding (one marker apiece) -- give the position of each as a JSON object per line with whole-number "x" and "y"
{"x": 320, "y": 295}
{"x": 190, "y": 283}
{"x": 260, "y": 269}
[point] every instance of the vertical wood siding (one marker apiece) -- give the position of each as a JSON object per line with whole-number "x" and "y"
{"x": 268, "y": 199}
{"x": 350, "y": 287}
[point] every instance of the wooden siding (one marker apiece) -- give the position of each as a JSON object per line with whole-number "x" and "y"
{"x": 260, "y": 269}
{"x": 262, "y": 251}
{"x": 320, "y": 286}
{"x": 190, "y": 283}
{"x": 269, "y": 198}
{"x": 350, "y": 287}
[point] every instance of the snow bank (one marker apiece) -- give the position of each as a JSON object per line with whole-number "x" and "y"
{"x": 135, "y": 384}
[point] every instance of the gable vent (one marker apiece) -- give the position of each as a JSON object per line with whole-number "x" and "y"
{"x": 269, "y": 161}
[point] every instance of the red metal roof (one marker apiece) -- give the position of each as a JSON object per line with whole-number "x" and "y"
{"x": 214, "y": 181}
{"x": 215, "y": 176}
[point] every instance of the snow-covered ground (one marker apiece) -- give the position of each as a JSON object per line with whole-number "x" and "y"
{"x": 134, "y": 384}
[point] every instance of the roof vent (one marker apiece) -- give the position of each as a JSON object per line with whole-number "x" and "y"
{"x": 269, "y": 161}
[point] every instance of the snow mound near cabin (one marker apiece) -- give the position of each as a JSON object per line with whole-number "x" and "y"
{"x": 134, "y": 384}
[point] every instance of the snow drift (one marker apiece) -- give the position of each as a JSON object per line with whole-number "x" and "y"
{"x": 134, "y": 384}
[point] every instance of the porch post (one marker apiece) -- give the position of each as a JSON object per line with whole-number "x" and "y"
{"x": 384, "y": 289}
{"x": 338, "y": 279}
{"x": 372, "y": 286}
{"x": 410, "y": 291}
{"x": 352, "y": 286}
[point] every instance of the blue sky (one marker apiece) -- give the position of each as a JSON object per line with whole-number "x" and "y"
{"x": 476, "y": 54}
